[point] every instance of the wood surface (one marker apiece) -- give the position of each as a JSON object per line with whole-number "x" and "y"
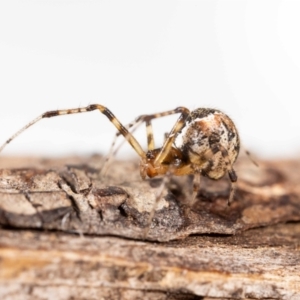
{"x": 68, "y": 232}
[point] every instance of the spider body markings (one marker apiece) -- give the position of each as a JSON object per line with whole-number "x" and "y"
{"x": 204, "y": 142}
{"x": 211, "y": 143}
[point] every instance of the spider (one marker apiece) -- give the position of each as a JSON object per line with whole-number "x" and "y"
{"x": 202, "y": 142}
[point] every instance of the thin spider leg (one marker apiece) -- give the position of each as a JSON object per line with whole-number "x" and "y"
{"x": 128, "y": 136}
{"x": 166, "y": 134}
{"x": 149, "y": 129}
{"x": 20, "y": 131}
{"x": 251, "y": 158}
{"x": 231, "y": 172}
{"x": 150, "y": 138}
{"x": 157, "y": 115}
{"x": 136, "y": 123}
{"x": 112, "y": 152}
{"x": 147, "y": 119}
{"x": 233, "y": 179}
{"x": 196, "y": 187}
{"x": 134, "y": 126}
{"x": 232, "y": 175}
{"x": 170, "y": 140}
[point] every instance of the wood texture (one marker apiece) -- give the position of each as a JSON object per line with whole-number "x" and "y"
{"x": 68, "y": 233}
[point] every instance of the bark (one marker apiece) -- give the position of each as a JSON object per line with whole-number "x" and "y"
{"x": 70, "y": 233}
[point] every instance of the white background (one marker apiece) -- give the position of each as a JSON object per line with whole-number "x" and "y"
{"x": 138, "y": 57}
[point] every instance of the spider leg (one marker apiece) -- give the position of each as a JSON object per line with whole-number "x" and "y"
{"x": 150, "y": 137}
{"x": 184, "y": 113}
{"x": 231, "y": 173}
{"x": 121, "y": 129}
{"x": 251, "y": 158}
{"x": 112, "y": 151}
{"x": 148, "y": 118}
{"x": 166, "y": 134}
{"x": 134, "y": 126}
{"x": 196, "y": 187}
{"x": 233, "y": 179}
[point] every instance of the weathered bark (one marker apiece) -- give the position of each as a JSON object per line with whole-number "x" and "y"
{"x": 97, "y": 245}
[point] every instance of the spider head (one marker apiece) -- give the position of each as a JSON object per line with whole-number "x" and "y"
{"x": 148, "y": 167}
{"x": 174, "y": 162}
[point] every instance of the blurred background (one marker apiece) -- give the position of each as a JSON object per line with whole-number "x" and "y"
{"x": 139, "y": 57}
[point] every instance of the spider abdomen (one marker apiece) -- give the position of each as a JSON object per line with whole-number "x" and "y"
{"x": 209, "y": 141}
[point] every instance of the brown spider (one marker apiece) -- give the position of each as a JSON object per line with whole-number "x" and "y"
{"x": 202, "y": 142}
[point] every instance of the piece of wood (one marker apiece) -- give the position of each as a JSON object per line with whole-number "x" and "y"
{"x": 97, "y": 248}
